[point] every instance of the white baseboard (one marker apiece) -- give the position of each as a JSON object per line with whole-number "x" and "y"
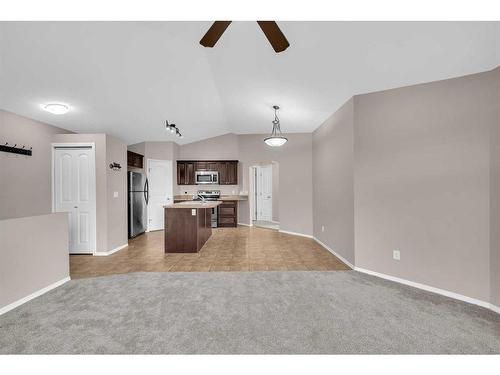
{"x": 106, "y": 253}
{"x": 344, "y": 260}
{"x": 432, "y": 289}
{"x": 295, "y": 233}
{"x": 495, "y": 308}
{"x": 246, "y": 225}
{"x": 38, "y": 293}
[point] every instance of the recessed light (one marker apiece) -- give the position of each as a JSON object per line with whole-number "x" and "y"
{"x": 56, "y": 108}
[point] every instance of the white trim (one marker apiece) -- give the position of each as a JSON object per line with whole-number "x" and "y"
{"x": 247, "y": 225}
{"x": 106, "y": 253}
{"x": 413, "y": 284}
{"x": 273, "y": 221}
{"x": 344, "y": 260}
{"x": 432, "y": 289}
{"x": 38, "y": 293}
{"x": 295, "y": 233}
{"x": 94, "y": 175}
{"x": 146, "y": 171}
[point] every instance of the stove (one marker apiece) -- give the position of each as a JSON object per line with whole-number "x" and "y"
{"x": 210, "y": 195}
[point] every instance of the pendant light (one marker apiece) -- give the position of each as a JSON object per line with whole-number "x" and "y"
{"x": 276, "y": 138}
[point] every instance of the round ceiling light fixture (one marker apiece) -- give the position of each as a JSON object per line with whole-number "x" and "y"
{"x": 56, "y": 108}
{"x": 276, "y": 138}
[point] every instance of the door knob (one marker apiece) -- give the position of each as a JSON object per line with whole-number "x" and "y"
{"x": 76, "y": 207}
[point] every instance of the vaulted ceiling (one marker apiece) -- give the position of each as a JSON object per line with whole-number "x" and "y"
{"x": 126, "y": 78}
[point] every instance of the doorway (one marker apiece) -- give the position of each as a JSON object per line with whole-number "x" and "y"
{"x": 263, "y": 183}
{"x": 159, "y": 173}
{"x": 74, "y": 192}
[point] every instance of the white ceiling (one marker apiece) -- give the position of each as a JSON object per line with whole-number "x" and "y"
{"x": 126, "y": 78}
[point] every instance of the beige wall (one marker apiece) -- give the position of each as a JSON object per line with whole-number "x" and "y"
{"x": 295, "y": 178}
{"x": 32, "y": 262}
{"x": 25, "y": 181}
{"x": 495, "y": 191}
{"x": 116, "y": 181}
{"x": 421, "y": 161}
{"x": 224, "y": 147}
{"x": 333, "y": 182}
{"x": 421, "y": 183}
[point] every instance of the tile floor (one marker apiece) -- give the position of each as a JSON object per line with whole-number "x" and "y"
{"x": 266, "y": 224}
{"x": 229, "y": 249}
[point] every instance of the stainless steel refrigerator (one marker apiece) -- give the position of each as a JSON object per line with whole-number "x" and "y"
{"x": 138, "y": 196}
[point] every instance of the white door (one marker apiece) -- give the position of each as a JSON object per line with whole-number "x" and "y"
{"x": 74, "y": 193}
{"x": 265, "y": 193}
{"x": 160, "y": 192}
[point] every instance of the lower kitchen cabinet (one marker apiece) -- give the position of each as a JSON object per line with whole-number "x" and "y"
{"x": 228, "y": 214}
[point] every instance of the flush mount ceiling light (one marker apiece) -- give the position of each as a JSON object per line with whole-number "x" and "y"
{"x": 276, "y": 138}
{"x": 173, "y": 129}
{"x": 56, "y": 108}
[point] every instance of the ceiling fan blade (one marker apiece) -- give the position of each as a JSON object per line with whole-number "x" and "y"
{"x": 274, "y": 35}
{"x": 214, "y": 33}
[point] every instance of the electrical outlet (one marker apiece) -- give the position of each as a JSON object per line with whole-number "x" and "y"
{"x": 322, "y": 228}
{"x": 115, "y": 194}
{"x": 396, "y": 254}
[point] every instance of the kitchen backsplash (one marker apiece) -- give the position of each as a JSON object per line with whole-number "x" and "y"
{"x": 192, "y": 189}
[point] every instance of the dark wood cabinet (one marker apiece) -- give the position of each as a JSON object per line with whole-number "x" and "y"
{"x": 228, "y": 170}
{"x": 231, "y": 177}
{"x": 185, "y": 173}
{"x": 200, "y": 166}
{"x": 135, "y": 160}
{"x": 228, "y": 214}
{"x": 187, "y": 230}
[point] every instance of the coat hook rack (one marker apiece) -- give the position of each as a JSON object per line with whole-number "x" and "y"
{"x": 115, "y": 166}
{"x": 16, "y": 150}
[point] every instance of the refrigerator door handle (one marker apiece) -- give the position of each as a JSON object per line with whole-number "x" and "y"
{"x": 146, "y": 191}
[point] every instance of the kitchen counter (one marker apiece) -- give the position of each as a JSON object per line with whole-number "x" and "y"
{"x": 222, "y": 197}
{"x": 194, "y": 204}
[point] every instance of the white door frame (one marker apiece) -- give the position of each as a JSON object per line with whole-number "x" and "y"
{"x": 92, "y": 174}
{"x": 171, "y": 182}
{"x": 259, "y": 170}
{"x": 252, "y": 191}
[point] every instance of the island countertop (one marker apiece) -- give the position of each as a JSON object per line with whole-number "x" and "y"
{"x": 194, "y": 204}
{"x": 187, "y": 197}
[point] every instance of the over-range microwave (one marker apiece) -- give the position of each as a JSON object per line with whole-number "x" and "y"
{"x": 206, "y": 177}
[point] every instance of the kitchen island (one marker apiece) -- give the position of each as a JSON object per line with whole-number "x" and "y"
{"x": 188, "y": 225}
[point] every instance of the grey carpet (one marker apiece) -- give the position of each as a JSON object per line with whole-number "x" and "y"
{"x": 246, "y": 312}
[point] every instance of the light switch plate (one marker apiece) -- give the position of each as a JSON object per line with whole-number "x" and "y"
{"x": 396, "y": 254}
{"x": 115, "y": 194}
{"x": 193, "y": 211}
{"x": 322, "y": 228}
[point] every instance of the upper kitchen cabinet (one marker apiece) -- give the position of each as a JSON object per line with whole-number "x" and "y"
{"x": 228, "y": 173}
{"x": 185, "y": 173}
{"x": 135, "y": 160}
{"x": 228, "y": 170}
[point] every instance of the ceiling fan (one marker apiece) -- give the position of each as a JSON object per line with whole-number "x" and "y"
{"x": 270, "y": 29}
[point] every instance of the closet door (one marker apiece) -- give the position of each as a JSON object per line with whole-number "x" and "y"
{"x": 74, "y": 193}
